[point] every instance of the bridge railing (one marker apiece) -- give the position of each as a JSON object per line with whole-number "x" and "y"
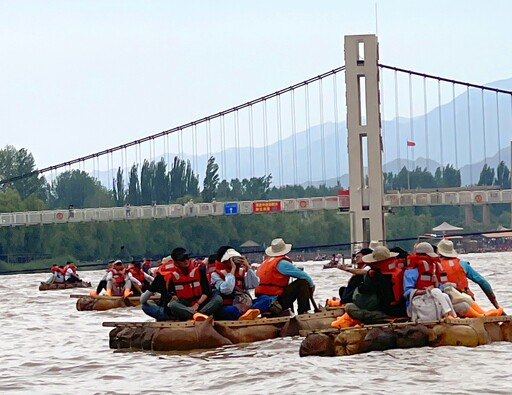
{"x": 191, "y": 209}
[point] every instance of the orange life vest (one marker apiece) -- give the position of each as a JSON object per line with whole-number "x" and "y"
{"x": 451, "y": 271}
{"x": 426, "y": 267}
{"x": 137, "y": 273}
{"x": 392, "y": 269}
{"x": 118, "y": 275}
{"x": 272, "y": 281}
{"x": 166, "y": 267}
{"x": 239, "y": 283}
{"x": 188, "y": 286}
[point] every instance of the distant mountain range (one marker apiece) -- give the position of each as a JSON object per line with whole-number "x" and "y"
{"x": 445, "y": 132}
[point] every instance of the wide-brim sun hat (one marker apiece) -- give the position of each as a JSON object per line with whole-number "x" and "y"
{"x": 425, "y": 248}
{"x": 278, "y": 247}
{"x": 230, "y": 253}
{"x": 445, "y": 248}
{"x": 380, "y": 253}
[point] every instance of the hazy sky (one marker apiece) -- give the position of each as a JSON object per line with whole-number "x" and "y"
{"x": 81, "y": 76}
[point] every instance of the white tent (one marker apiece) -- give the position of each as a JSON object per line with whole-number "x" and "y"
{"x": 446, "y": 227}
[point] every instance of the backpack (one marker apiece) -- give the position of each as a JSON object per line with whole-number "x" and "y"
{"x": 425, "y": 307}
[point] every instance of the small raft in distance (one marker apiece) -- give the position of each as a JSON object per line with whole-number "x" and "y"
{"x": 102, "y": 303}
{"x": 183, "y": 336}
{"x": 56, "y": 286}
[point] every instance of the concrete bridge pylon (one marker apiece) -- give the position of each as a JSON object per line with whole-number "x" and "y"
{"x": 364, "y": 138}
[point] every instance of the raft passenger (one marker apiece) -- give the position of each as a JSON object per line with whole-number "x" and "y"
{"x": 191, "y": 295}
{"x": 453, "y": 273}
{"x": 138, "y": 278}
{"x": 358, "y": 273}
{"x": 57, "y": 275}
{"x": 420, "y": 278}
{"x": 232, "y": 278}
{"x": 103, "y": 282}
{"x": 380, "y": 296}
{"x": 117, "y": 283}
{"x": 70, "y": 273}
{"x": 275, "y": 273}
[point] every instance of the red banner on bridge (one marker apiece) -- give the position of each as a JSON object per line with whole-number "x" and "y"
{"x": 266, "y": 206}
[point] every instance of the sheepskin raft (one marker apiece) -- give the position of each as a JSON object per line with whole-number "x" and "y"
{"x": 469, "y": 332}
{"x": 102, "y": 303}
{"x": 183, "y": 336}
{"x": 55, "y": 286}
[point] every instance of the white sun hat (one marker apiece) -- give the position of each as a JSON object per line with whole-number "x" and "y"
{"x": 425, "y": 248}
{"x": 379, "y": 254}
{"x": 230, "y": 253}
{"x": 278, "y": 247}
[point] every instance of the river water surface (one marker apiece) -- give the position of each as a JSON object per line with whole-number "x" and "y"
{"x": 48, "y": 347}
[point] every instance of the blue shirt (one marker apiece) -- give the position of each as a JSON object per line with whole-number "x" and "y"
{"x": 289, "y": 269}
{"x": 476, "y": 277}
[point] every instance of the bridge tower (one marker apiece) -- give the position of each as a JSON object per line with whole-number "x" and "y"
{"x": 364, "y": 138}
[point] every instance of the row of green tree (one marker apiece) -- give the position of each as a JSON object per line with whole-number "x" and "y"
{"x": 155, "y": 183}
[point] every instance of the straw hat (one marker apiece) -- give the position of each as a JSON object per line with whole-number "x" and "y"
{"x": 379, "y": 254}
{"x": 278, "y": 247}
{"x": 445, "y": 248}
{"x": 425, "y": 248}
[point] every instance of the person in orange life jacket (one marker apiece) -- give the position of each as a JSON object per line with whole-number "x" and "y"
{"x": 358, "y": 273}
{"x": 70, "y": 273}
{"x": 233, "y": 274}
{"x": 117, "y": 283}
{"x": 57, "y": 275}
{"x": 210, "y": 266}
{"x": 454, "y": 273}
{"x": 420, "y": 277}
{"x": 191, "y": 295}
{"x": 103, "y": 282}
{"x": 138, "y": 278}
{"x": 162, "y": 285}
{"x": 275, "y": 273}
{"x": 380, "y": 295}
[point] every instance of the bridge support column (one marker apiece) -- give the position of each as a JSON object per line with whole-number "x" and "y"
{"x": 486, "y": 214}
{"x": 364, "y": 138}
{"x": 468, "y": 215}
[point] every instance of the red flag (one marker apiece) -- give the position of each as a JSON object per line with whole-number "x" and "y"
{"x": 411, "y": 143}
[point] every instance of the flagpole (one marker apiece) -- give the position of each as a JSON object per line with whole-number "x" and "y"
{"x": 408, "y": 173}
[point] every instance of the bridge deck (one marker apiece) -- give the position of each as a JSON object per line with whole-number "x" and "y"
{"x": 191, "y": 209}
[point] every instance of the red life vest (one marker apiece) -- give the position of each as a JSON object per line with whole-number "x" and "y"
{"x": 426, "y": 267}
{"x": 70, "y": 266}
{"x": 451, "y": 271}
{"x": 118, "y": 275}
{"x": 137, "y": 273}
{"x": 239, "y": 283}
{"x": 188, "y": 286}
{"x": 56, "y": 269}
{"x": 272, "y": 281}
{"x": 390, "y": 267}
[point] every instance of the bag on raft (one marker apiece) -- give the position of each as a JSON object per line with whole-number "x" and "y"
{"x": 425, "y": 307}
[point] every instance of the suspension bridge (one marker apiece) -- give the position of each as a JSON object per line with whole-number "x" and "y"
{"x": 340, "y": 131}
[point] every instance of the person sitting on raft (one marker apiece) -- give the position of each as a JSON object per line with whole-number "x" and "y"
{"x": 146, "y": 265}
{"x": 420, "y": 278}
{"x": 117, "y": 283}
{"x": 162, "y": 285}
{"x": 275, "y": 273}
{"x": 187, "y": 289}
{"x": 380, "y": 296}
{"x": 232, "y": 278}
{"x": 57, "y": 275}
{"x": 453, "y": 274}
{"x": 103, "y": 282}
{"x": 70, "y": 273}
{"x": 357, "y": 272}
{"x": 138, "y": 278}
